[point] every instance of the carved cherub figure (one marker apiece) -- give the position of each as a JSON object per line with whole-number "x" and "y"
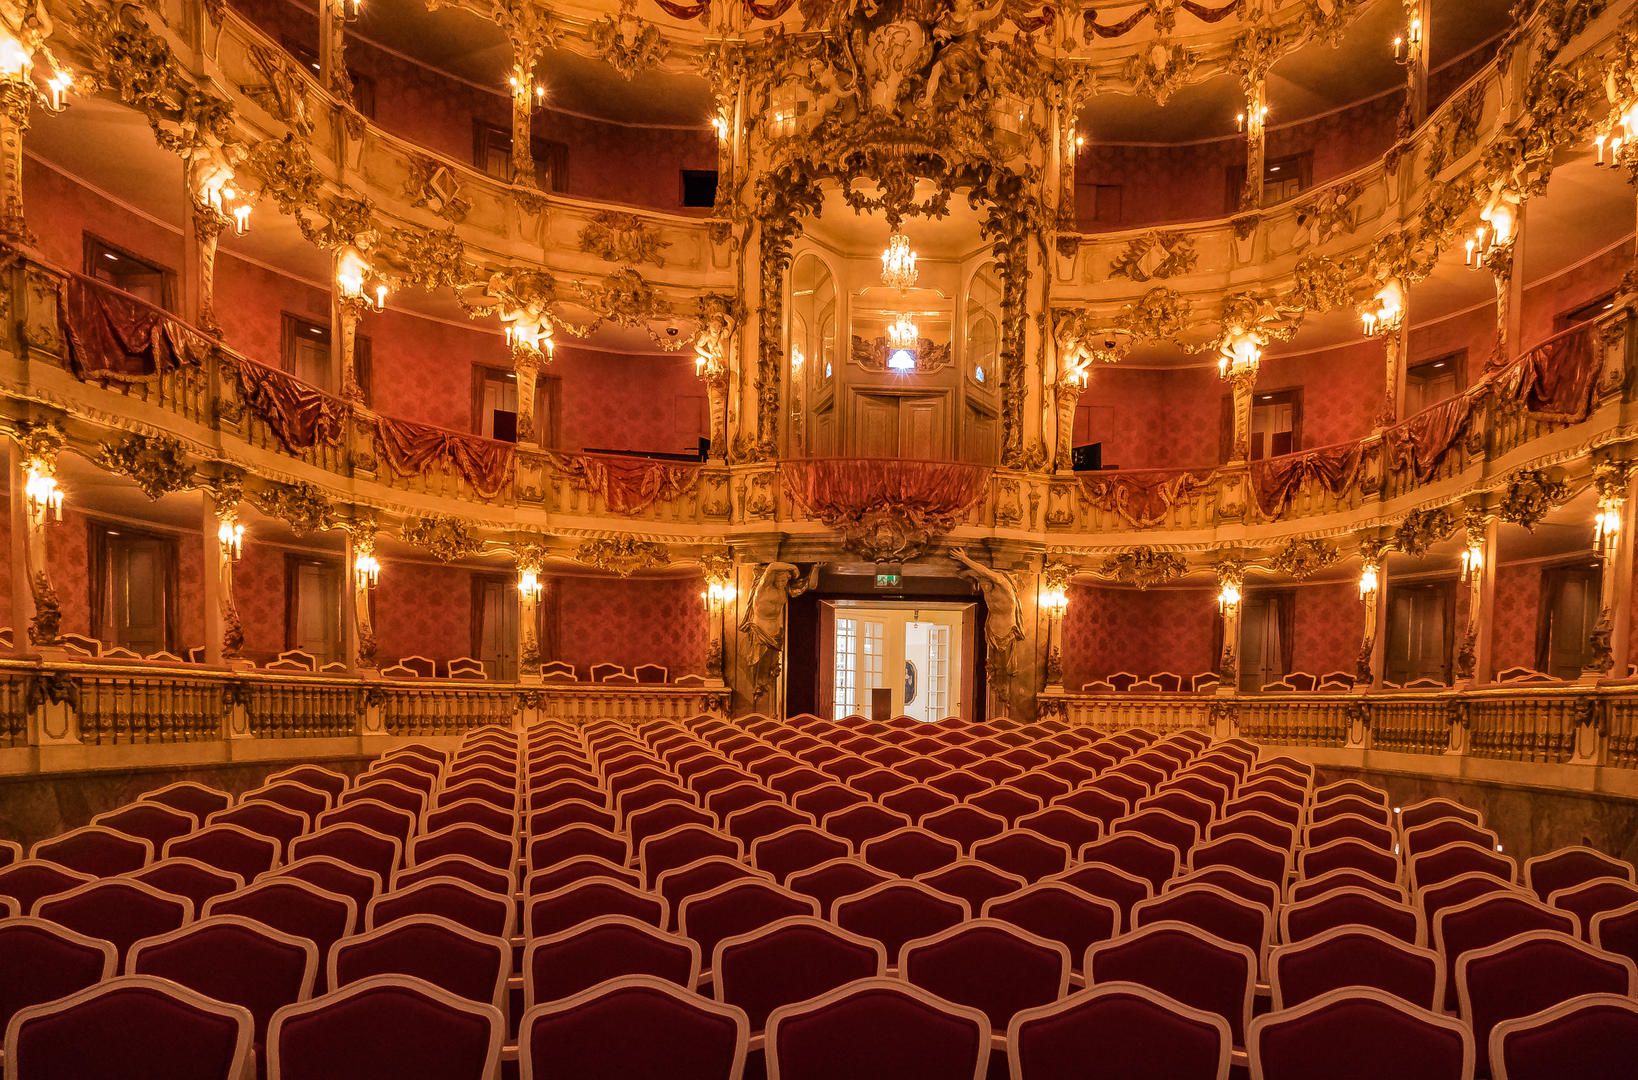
{"x": 764, "y": 621}
{"x": 1004, "y": 625}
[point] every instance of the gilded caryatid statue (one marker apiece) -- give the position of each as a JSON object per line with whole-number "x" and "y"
{"x": 764, "y": 621}
{"x": 1004, "y": 623}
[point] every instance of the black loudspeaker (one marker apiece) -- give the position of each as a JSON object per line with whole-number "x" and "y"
{"x": 506, "y": 425}
{"x": 1087, "y": 458}
{"x": 705, "y": 447}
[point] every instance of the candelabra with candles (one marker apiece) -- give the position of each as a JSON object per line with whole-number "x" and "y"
{"x": 366, "y": 570}
{"x": 349, "y": 10}
{"x": 1407, "y": 45}
{"x": 1606, "y": 524}
{"x": 540, "y": 91}
{"x": 1614, "y": 144}
{"x": 1257, "y": 118}
{"x": 1368, "y": 581}
{"x": 530, "y": 336}
{"x": 1385, "y": 314}
{"x": 45, "y": 495}
{"x": 530, "y": 586}
{"x": 1228, "y": 596}
{"x": 1472, "y": 560}
{"x": 356, "y": 281}
{"x": 231, "y": 535}
{"x": 1240, "y": 358}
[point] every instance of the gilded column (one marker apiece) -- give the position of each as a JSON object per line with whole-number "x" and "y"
{"x": 16, "y": 99}
{"x": 205, "y": 225}
{"x": 719, "y": 572}
{"x": 531, "y": 561}
{"x": 1255, "y": 121}
{"x": 526, "y": 360}
{"x": 38, "y": 444}
{"x": 224, "y": 542}
{"x": 527, "y": 37}
{"x": 1410, "y": 48}
{"x": 1613, "y": 541}
{"x": 1243, "y": 382}
{"x": 1230, "y": 579}
{"x": 1473, "y": 656}
{"x": 365, "y": 573}
{"x": 1373, "y": 585}
{"x": 348, "y": 313}
{"x": 1503, "y": 234}
{"x": 1055, "y": 604}
{"x": 334, "y": 15}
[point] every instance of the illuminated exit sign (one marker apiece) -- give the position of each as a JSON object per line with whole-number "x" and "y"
{"x": 889, "y": 579}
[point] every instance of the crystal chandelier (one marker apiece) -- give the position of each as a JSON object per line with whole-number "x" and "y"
{"x": 899, "y": 263}
{"x": 903, "y": 342}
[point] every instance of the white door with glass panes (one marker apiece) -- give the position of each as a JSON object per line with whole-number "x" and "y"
{"x": 912, "y": 652}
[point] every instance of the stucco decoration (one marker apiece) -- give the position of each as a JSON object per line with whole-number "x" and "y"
{"x": 1303, "y": 558}
{"x": 447, "y": 538}
{"x": 1421, "y": 529}
{"x": 1530, "y": 495}
{"x": 628, "y": 43}
{"x": 1144, "y": 567}
{"x": 302, "y": 505}
{"x": 622, "y": 555}
{"x": 763, "y": 625}
{"x": 623, "y": 238}
{"x": 1158, "y": 255}
{"x": 157, "y": 463}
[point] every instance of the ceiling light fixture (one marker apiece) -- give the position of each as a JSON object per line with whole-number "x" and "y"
{"x": 899, "y": 263}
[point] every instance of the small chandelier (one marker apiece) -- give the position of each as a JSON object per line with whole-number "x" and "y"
{"x": 231, "y": 535}
{"x": 1241, "y": 355}
{"x": 1615, "y": 143}
{"x": 1368, "y": 581}
{"x": 529, "y": 585}
{"x": 1228, "y": 596}
{"x": 1386, "y": 312}
{"x": 353, "y": 278}
{"x": 45, "y": 495}
{"x": 1472, "y": 560}
{"x": 903, "y": 342}
{"x": 1606, "y": 523}
{"x": 899, "y": 263}
{"x": 368, "y": 571}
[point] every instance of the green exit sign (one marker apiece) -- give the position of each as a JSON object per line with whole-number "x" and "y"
{"x": 888, "y": 579}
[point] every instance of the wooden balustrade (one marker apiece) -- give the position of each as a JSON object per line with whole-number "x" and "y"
{"x": 305, "y": 709}
{"x": 1160, "y": 713}
{"x": 1308, "y": 721}
{"x": 14, "y": 708}
{"x": 1412, "y": 725}
{"x": 445, "y": 710}
{"x": 140, "y": 707}
{"x": 1531, "y": 727}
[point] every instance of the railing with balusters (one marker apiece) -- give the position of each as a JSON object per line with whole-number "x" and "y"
{"x": 445, "y": 710}
{"x": 291, "y": 709}
{"x": 14, "y": 708}
{"x": 117, "y": 707}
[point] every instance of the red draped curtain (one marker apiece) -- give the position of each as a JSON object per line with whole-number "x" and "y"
{"x": 115, "y": 337}
{"x": 299, "y": 414}
{"x": 1143, "y": 497}
{"x": 831, "y": 488}
{"x": 628, "y": 485}
{"x": 409, "y": 448}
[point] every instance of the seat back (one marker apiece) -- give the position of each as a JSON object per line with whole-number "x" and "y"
{"x": 483, "y": 912}
{"x": 1590, "y": 1038}
{"x": 95, "y": 850}
{"x": 898, "y": 911}
{"x": 293, "y": 906}
{"x": 592, "y": 898}
{"x": 876, "y": 1028}
{"x": 233, "y": 959}
{"x": 132, "y": 1026}
{"x": 1355, "y": 956}
{"x": 154, "y": 822}
{"x": 190, "y": 797}
{"x": 117, "y": 910}
{"x": 1130, "y": 1030}
{"x": 440, "y": 951}
{"x": 989, "y": 964}
{"x": 565, "y": 963}
{"x": 1059, "y": 912}
{"x": 386, "y": 1025}
{"x": 353, "y": 844}
{"x": 1571, "y": 866}
{"x": 788, "y": 961}
{"x": 43, "y": 962}
{"x": 1185, "y": 963}
{"x": 737, "y": 907}
{"x": 684, "y": 1036}
{"x": 1377, "y": 1034}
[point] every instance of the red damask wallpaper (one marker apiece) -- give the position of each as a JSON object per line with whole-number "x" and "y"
{"x": 70, "y": 562}
{"x": 1110, "y": 629}
{"x": 423, "y": 609}
{"x": 631, "y": 621}
{"x": 1513, "y": 628}
{"x": 1342, "y": 389}
{"x": 61, "y": 210}
{"x": 1329, "y": 625}
{"x": 598, "y": 408}
{"x": 1153, "y": 417}
{"x": 252, "y": 301}
{"x": 258, "y": 589}
{"x": 423, "y": 369}
{"x": 1579, "y": 285}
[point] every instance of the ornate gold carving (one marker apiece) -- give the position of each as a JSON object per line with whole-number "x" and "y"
{"x": 1457, "y": 132}
{"x": 1530, "y": 495}
{"x": 1161, "y": 314}
{"x": 622, "y": 555}
{"x": 447, "y": 538}
{"x": 873, "y": 355}
{"x": 1302, "y": 558}
{"x": 1159, "y": 254}
{"x": 426, "y": 259}
{"x": 629, "y": 44}
{"x": 1320, "y": 285}
{"x": 303, "y": 505}
{"x": 1421, "y": 529}
{"x": 40, "y": 440}
{"x": 1160, "y": 70}
{"x": 282, "y": 91}
{"x": 157, "y": 463}
{"x": 1329, "y": 212}
{"x": 623, "y": 238}
{"x": 1145, "y": 567}
{"x": 226, "y": 489}
{"x": 434, "y": 185}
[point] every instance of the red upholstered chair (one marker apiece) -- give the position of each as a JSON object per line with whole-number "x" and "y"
{"x": 587, "y": 1036}
{"x": 740, "y": 795}
{"x": 233, "y": 959}
{"x": 973, "y": 881}
{"x": 1307, "y": 888}
{"x": 1592, "y": 1037}
{"x": 1349, "y": 854}
{"x": 154, "y": 822}
{"x": 862, "y": 823}
{"x": 1111, "y": 883}
{"x": 1571, "y": 866}
{"x": 827, "y": 799}
{"x": 376, "y": 816}
{"x": 701, "y": 876}
{"x": 567, "y": 812}
{"x": 877, "y": 1029}
{"x": 1162, "y": 825}
{"x": 501, "y": 797}
{"x": 659, "y": 818}
{"x": 388, "y": 1027}
{"x": 190, "y": 878}
{"x": 794, "y": 849}
{"x": 389, "y": 791}
{"x": 895, "y": 912}
{"x": 1230, "y": 880}
{"x": 790, "y": 961}
{"x": 1354, "y": 827}
{"x": 990, "y": 965}
{"x": 966, "y": 825}
{"x": 1256, "y": 798}
{"x": 753, "y": 823}
{"x": 29, "y": 880}
{"x": 118, "y": 910}
{"x": 1348, "y": 806}
{"x": 1488, "y": 920}
{"x": 305, "y": 800}
{"x": 190, "y": 797}
{"x": 1131, "y": 1031}
{"x": 681, "y": 846}
{"x": 566, "y": 963}
{"x": 550, "y": 794}
{"x": 1357, "y": 1033}
{"x": 498, "y": 850}
{"x": 571, "y": 870}
{"x": 95, "y": 850}
{"x": 43, "y": 962}
{"x": 1246, "y": 854}
{"x": 1184, "y": 963}
{"x": 830, "y": 881}
{"x": 1409, "y": 817}
{"x": 137, "y": 1026}
{"x": 474, "y": 812}
{"x": 265, "y": 819}
{"x": 738, "y": 907}
{"x": 1028, "y": 854}
{"x": 577, "y": 841}
{"x": 909, "y": 851}
{"x": 572, "y": 904}
{"x": 352, "y": 844}
{"x": 444, "y": 953}
{"x": 1214, "y": 910}
{"x": 10, "y": 851}
{"x": 1067, "y": 826}
{"x": 293, "y": 906}
{"x": 1011, "y": 801}
{"x": 1592, "y": 898}
{"x": 918, "y": 801}
{"x": 1355, "y": 956}
{"x": 313, "y": 776}
{"x": 1348, "y": 907}
{"x": 1138, "y": 855}
{"x": 1057, "y": 911}
{"x": 1530, "y": 972}
{"x": 1357, "y": 788}
{"x": 469, "y": 870}
{"x": 1438, "y": 834}
{"x": 471, "y": 907}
